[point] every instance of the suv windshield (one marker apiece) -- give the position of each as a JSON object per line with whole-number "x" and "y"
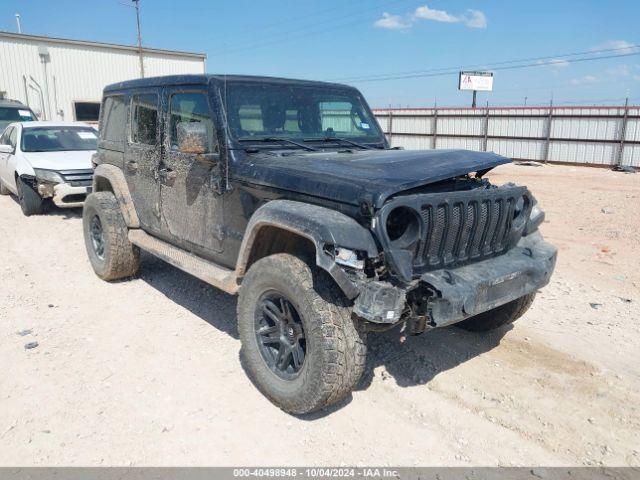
{"x": 57, "y": 139}
{"x": 258, "y": 111}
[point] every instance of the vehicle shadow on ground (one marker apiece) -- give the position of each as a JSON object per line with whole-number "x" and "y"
{"x": 213, "y": 306}
{"x": 419, "y": 359}
{"x": 51, "y": 209}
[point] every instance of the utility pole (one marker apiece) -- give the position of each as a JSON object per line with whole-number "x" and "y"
{"x": 137, "y": 6}
{"x": 18, "y": 23}
{"x": 473, "y": 102}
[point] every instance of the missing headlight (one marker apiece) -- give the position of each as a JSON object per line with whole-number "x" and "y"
{"x": 403, "y": 227}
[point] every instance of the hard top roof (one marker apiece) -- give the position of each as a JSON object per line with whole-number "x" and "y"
{"x": 204, "y": 79}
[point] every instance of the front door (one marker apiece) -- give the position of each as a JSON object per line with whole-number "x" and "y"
{"x": 190, "y": 183}
{"x": 142, "y": 158}
{"x": 9, "y": 137}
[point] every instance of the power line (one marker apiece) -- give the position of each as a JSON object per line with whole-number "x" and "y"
{"x": 509, "y": 67}
{"x": 552, "y": 60}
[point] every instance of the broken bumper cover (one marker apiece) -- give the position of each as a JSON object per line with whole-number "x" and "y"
{"x": 460, "y": 293}
{"x": 67, "y": 196}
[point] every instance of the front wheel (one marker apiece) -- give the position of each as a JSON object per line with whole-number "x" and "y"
{"x": 299, "y": 343}
{"x": 30, "y": 202}
{"x": 111, "y": 254}
{"x": 499, "y": 316}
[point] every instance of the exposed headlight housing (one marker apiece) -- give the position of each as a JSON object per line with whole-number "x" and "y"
{"x": 535, "y": 220}
{"x": 50, "y": 176}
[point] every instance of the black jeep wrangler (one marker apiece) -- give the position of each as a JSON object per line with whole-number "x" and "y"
{"x": 287, "y": 193}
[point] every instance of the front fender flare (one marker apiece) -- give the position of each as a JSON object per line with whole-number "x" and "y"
{"x": 318, "y": 224}
{"x": 115, "y": 178}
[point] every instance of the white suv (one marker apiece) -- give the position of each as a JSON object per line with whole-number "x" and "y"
{"x": 47, "y": 160}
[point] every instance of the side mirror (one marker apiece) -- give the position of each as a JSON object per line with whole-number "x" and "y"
{"x": 6, "y": 149}
{"x": 192, "y": 137}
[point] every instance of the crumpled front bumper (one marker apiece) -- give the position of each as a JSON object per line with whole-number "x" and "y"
{"x": 459, "y": 293}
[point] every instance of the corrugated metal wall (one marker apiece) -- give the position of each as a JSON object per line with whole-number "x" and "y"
{"x": 76, "y": 72}
{"x": 584, "y": 135}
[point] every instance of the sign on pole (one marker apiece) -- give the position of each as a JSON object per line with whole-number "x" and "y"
{"x": 476, "y": 81}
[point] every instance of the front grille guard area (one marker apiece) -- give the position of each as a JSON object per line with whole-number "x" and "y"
{"x": 456, "y": 228}
{"x": 78, "y": 178}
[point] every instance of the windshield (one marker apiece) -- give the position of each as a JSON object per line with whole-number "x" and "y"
{"x": 13, "y": 114}
{"x": 298, "y": 112}
{"x": 57, "y": 139}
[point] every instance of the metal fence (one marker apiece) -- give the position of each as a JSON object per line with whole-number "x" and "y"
{"x": 581, "y": 135}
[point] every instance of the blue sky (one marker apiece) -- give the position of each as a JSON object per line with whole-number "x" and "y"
{"x": 338, "y": 39}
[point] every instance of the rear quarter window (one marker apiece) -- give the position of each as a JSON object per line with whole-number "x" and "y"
{"x": 114, "y": 119}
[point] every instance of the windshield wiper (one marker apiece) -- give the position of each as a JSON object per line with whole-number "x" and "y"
{"x": 278, "y": 139}
{"x": 337, "y": 140}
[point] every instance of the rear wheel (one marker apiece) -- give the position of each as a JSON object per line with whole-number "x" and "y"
{"x": 111, "y": 254}
{"x": 299, "y": 343}
{"x": 499, "y": 316}
{"x": 30, "y": 202}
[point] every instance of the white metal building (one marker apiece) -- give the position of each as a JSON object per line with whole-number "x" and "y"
{"x": 63, "y": 79}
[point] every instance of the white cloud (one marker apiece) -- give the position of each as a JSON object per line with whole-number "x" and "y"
{"x": 586, "y": 80}
{"x": 392, "y": 22}
{"x": 472, "y": 19}
{"x": 621, "y": 46}
{"x": 619, "y": 71}
{"x": 475, "y": 19}
{"x": 427, "y": 13}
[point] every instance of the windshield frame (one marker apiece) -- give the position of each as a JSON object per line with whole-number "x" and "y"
{"x": 61, "y": 127}
{"x": 321, "y": 141}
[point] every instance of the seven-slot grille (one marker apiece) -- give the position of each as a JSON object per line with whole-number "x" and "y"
{"x": 78, "y": 178}
{"x": 461, "y": 229}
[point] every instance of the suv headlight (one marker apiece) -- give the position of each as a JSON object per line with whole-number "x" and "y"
{"x": 48, "y": 176}
{"x": 535, "y": 220}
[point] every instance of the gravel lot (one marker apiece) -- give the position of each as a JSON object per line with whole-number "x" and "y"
{"x": 146, "y": 372}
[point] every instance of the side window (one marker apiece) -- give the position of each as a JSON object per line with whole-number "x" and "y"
{"x": 4, "y": 138}
{"x": 191, "y": 107}
{"x": 114, "y": 119}
{"x": 144, "y": 119}
{"x": 13, "y": 137}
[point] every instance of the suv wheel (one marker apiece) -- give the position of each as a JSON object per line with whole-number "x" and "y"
{"x": 30, "y": 202}
{"x": 111, "y": 254}
{"x": 499, "y": 316}
{"x": 299, "y": 343}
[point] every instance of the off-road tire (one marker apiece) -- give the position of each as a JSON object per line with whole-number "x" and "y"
{"x": 499, "y": 316}
{"x": 120, "y": 258}
{"x": 30, "y": 202}
{"x": 4, "y": 190}
{"x": 336, "y": 347}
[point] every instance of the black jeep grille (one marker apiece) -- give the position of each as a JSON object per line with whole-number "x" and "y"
{"x": 464, "y": 230}
{"x": 462, "y": 227}
{"x": 78, "y": 178}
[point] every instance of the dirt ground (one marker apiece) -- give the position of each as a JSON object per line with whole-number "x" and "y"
{"x": 146, "y": 372}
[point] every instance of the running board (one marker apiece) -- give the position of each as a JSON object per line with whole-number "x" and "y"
{"x": 207, "y": 271}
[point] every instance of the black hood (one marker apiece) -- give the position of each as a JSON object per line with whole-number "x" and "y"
{"x": 367, "y": 174}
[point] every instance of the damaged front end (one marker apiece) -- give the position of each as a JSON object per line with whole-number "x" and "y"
{"x": 450, "y": 255}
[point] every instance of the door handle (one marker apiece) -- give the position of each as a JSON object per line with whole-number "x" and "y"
{"x": 168, "y": 176}
{"x": 132, "y": 166}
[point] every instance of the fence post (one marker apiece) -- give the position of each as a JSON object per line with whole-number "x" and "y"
{"x": 434, "y": 140}
{"x": 390, "y": 127}
{"x": 486, "y": 127}
{"x": 548, "y": 140}
{"x": 623, "y": 132}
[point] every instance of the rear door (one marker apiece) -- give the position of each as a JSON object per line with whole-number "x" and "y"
{"x": 189, "y": 184}
{"x": 142, "y": 157}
